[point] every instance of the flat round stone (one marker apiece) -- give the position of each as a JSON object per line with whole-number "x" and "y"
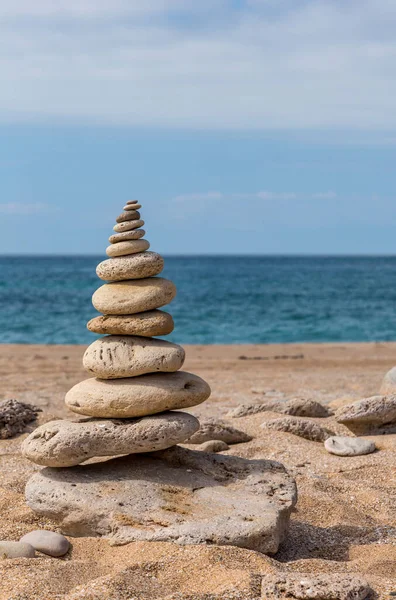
{"x": 132, "y": 206}
{"x": 128, "y": 225}
{"x": 132, "y": 201}
{"x": 133, "y": 296}
{"x": 349, "y": 446}
{"x": 134, "y": 234}
{"x": 147, "y": 324}
{"x": 67, "y": 443}
{"x": 137, "y": 396}
{"x": 16, "y": 550}
{"x": 125, "y": 248}
{"x": 119, "y": 356}
{"x": 128, "y": 215}
{"x": 47, "y": 542}
{"x": 136, "y": 266}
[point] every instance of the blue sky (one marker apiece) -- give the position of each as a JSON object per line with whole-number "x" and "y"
{"x": 254, "y": 126}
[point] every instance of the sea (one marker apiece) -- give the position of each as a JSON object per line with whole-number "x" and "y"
{"x": 220, "y": 299}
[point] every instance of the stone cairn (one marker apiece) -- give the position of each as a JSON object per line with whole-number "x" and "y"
{"x": 137, "y": 382}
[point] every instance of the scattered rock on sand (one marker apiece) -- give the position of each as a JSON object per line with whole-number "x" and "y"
{"x": 119, "y": 356}
{"x": 369, "y": 414}
{"x": 212, "y": 446}
{"x": 137, "y": 396}
{"x": 388, "y": 386}
{"x": 349, "y": 446}
{"x": 301, "y": 427}
{"x": 67, "y": 443}
{"x": 299, "y": 407}
{"x": 14, "y": 416}
{"x": 47, "y": 542}
{"x": 307, "y": 586}
{"x": 177, "y": 495}
{"x": 212, "y": 429}
{"x": 16, "y": 550}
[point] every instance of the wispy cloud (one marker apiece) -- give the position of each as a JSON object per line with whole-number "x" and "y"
{"x": 263, "y": 195}
{"x": 20, "y": 209}
{"x": 255, "y": 64}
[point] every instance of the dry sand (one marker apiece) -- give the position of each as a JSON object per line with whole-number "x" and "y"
{"x": 345, "y": 519}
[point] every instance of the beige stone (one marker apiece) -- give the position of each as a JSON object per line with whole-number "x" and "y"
{"x": 147, "y": 324}
{"x": 388, "y": 387}
{"x": 369, "y": 414}
{"x": 311, "y": 586}
{"x": 119, "y": 356}
{"x": 132, "y": 206}
{"x": 128, "y": 215}
{"x": 137, "y": 396}
{"x": 128, "y": 225}
{"x": 129, "y": 247}
{"x": 213, "y": 429}
{"x": 134, "y": 234}
{"x": 133, "y": 296}
{"x": 68, "y": 443}
{"x": 302, "y": 427}
{"x": 136, "y": 266}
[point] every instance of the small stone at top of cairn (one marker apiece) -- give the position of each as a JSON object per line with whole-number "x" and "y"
{"x": 137, "y": 381}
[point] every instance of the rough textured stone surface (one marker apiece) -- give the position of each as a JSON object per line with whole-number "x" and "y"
{"x": 177, "y": 495}
{"x": 212, "y": 446}
{"x": 298, "y": 407}
{"x": 136, "y": 266}
{"x": 126, "y": 248}
{"x": 47, "y": 542}
{"x": 16, "y": 550}
{"x": 132, "y": 206}
{"x": 128, "y": 225}
{"x": 213, "y": 429}
{"x": 308, "y": 586}
{"x": 119, "y": 356}
{"x": 349, "y": 446}
{"x": 67, "y": 443}
{"x": 133, "y": 234}
{"x": 388, "y": 386}
{"x": 150, "y": 323}
{"x": 369, "y": 414}
{"x": 133, "y": 296}
{"x": 301, "y": 427}
{"x": 14, "y": 416}
{"x": 137, "y": 396}
{"x": 128, "y": 215}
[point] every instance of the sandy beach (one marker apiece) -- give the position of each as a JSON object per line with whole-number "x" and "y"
{"x": 344, "y": 522}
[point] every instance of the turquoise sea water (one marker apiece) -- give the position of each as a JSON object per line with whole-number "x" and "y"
{"x": 225, "y": 300}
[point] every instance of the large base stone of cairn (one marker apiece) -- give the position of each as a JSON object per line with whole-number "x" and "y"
{"x": 175, "y": 495}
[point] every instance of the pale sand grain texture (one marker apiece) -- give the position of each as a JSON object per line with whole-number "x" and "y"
{"x": 345, "y": 520}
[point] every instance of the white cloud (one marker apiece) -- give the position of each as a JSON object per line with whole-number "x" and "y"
{"x": 182, "y": 63}
{"x": 20, "y": 209}
{"x": 324, "y": 196}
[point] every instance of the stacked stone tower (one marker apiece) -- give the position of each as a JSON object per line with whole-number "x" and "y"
{"x": 136, "y": 380}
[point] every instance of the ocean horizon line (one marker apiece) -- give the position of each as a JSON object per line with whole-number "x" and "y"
{"x": 203, "y": 255}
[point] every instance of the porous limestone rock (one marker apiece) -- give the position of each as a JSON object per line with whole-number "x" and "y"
{"x": 301, "y": 427}
{"x": 136, "y": 266}
{"x": 370, "y": 414}
{"x": 133, "y": 296}
{"x": 15, "y": 416}
{"x": 47, "y": 542}
{"x": 126, "y": 248}
{"x": 388, "y": 386}
{"x": 133, "y": 234}
{"x": 176, "y": 495}
{"x": 212, "y": 429}
{"x": 148, "y": 324}
{"x": 297, "y": 407}
{"x": 212, "y": 446}
{"x": 128, "y": 225}
{"x": 137, "y": 396}
{"x": 69, "y": 443}
{"x": 308, "y": 586}
{"x": 348, "y": 446}
{"x": 128, "y": 215}
{"x": 119, "y": 356}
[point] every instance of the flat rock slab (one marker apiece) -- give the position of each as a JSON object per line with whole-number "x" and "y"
{"x": 369, "y": 414}
{"x": 298, "y": 407}
{"x": 307, "y": 586}
{"x": 349, "y": 446}
{"x": 212, "y": 429}
{"x": 176, "y": 495}
{"x": 301, "y": 427}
